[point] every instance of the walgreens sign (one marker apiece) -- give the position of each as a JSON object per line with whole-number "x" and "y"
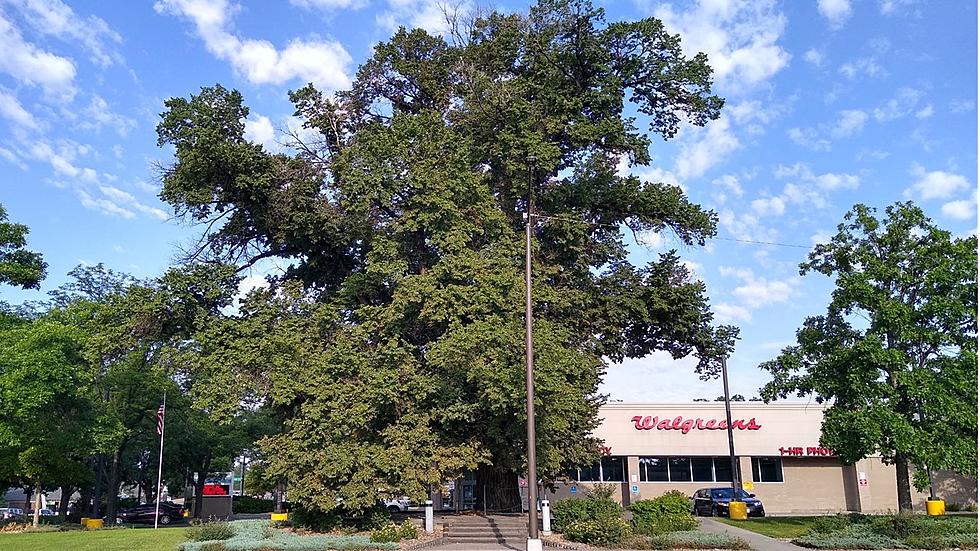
{"x": 686, "y": 425}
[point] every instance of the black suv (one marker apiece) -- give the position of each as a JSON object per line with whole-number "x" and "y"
{"x": 714, "y": 502}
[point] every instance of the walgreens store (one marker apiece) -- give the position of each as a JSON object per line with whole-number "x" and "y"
{"x": 653, "y": 448}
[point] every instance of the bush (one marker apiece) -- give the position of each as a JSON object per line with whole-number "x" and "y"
{"x": 249, "y": 504}
{"x": 213, "y": 546}
{"x": 407, "y": 530}
{"x": 316, "y": 520}
{"x": 833, "y": 523}
{"x": 385, "y": 534}
{"x": 855, "y": 536}
{"x": 946, "y": 541}
{"x": 670, "y": 512}
{"x": 606, "y": 531}
{"x": 598, "y": 504}
{"x": 255, "y": 534}
{"x": 209, "y": 531}
{"x": 694, "y": 539}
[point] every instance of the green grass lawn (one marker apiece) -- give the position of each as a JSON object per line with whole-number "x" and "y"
{"x": 774, "y": 527}
{"x": 135, "y": 539}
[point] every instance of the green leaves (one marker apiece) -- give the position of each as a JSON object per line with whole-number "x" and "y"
{"x": 895, "y": 354}
{"x": 18, "y": 266}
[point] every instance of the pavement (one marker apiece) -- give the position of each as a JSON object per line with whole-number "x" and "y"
{"x": 756, "y": 541}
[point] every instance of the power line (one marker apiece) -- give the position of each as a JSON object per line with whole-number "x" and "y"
{"x": 749, "y": 241}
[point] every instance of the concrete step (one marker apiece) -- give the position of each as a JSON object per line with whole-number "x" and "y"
{"x": 487, "y": 533}
{"x": 515, "y": 542}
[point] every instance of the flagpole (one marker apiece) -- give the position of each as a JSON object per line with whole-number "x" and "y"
{"x": 163, "y": 428}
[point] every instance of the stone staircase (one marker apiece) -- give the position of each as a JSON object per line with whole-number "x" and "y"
{"x": 478, "y": 530}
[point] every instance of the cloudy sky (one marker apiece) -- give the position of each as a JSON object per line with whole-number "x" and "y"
{"x": 829, "y": 103}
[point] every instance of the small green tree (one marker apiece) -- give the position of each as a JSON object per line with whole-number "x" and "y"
{"x": 895, "y": 355}
{"x": 18, "y": 266}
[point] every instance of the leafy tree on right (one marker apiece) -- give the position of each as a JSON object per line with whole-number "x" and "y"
{"x": 895, "y": 355}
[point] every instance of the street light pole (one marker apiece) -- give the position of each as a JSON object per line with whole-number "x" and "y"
{"x": 731, "y": 437}
{"x": 533, "y": 541}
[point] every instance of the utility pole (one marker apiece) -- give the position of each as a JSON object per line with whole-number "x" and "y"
{"x": 533, "y": 541}
{"x": 731, "y": 437}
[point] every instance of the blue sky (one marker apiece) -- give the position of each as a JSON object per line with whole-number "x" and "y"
{"x": 829, "y": 103}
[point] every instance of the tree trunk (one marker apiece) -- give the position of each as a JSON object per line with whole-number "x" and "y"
{"x": 97, "y": 493}
{"x": 902, "y": 480}
{"x": 497, "y": 491}
{"x": 202, "y": 475}
{"x": 113, "y": 488}
{"x": 66, "y": 492}
{"x": 37, "y": 505}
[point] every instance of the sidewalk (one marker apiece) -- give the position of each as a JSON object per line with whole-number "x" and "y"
{"x": 756, "y": 541}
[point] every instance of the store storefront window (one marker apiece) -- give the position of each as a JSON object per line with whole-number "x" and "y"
{"x": 767, "y": 469}
{"x": 653, "y": 469}
{"x": 608, "y": 469}
{"x": 685, "y": 469}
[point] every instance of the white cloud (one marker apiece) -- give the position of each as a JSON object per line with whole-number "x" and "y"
{"x": 659, "y": 175}
{"x": 814, "y": 57}
{"x": 850, "y": 122}
{"x": 807, "y": 188}
{"x": 866, "y": 65}
{"x": 963, "y": 209}
{"x": 99, "y": 114}
{"x": 837, "y": 12}
{"x": 745, "y": 226}
{"x": 323, "y": 62}
{"x": 430, "y": 15}
{"x": 12, "y": 110}
{"x": 755, "y": 292}
{"x": 925, "y": 112}
{"x": 54, "y": 18}
{"x": 105, "y": 206}
{"x": 808, "y": 138}
{"x": 820, "y": 237}
{"x": 727, "y": 184}
{"x": 962, "y": 105}
{"x": 730, "y": 313}
{"x": 903, "y": 103}
{"x": 30, "y": 65}
{"x": 831, "y": 181}
{"x": 937, "y": 184}
{"x": 765, "y": 206}
{"x": 707, "y": 147}
{"x": 651, "y": 239}
{"x": 328, "y": 5}
{"x": 121, "y": 197}
{"x": 890, "y": 7}
{"x": 259, "y": 129}
{"x": 740, "y": 38}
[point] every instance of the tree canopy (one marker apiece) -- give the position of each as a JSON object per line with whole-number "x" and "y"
{"x": 895, "y": 356}
{"x": 392, "y": 342}
{"x": 18, "y": 265}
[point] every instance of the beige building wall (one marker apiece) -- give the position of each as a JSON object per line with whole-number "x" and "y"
{"x": 812, "y": 483}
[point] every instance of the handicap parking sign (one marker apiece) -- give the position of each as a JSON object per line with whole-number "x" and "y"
{"x": 635, "y": 488}
{"x": 573, "y": 489}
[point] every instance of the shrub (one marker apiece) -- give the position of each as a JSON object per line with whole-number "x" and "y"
{"x": 249, "y": 504}
{"x": 212, "y": 546}
{"x": 828, "y": 524}
{"x": 385, "y": 534}
{"x": 407, "y": 530}
{"x": 252, "y": 535}
{"x": 855, "y": 536}
{"x": 605, "y": 531}
{"x": 667, "y": 513}
{"x": 209, "y": 531}
{"x": 598, "y": 504}
{"x": 945, "y": 541}
{"x": 316, "y": 520}
{"x": 694, "y": 539}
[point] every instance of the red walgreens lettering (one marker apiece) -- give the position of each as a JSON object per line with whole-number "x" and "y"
{"x": 686, "y": 425}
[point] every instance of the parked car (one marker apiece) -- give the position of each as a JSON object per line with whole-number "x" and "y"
{"x": 714, "y": 502}
{"x": 11, "y": 513}
{"x": 169, "y": 512}
{"x": 399, "y": 505}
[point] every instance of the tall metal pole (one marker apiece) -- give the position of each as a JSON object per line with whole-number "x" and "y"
{"x": 163, "y": 429}
{"x": 532, "y": 460}
{"x": 731, "y": 437}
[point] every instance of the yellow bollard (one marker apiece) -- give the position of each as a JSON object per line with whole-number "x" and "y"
{"x": 737, "y": 510}
{"x": 93, "y": 523}
{"x": 83, "y": 520}
{"x": 935, "y": 508}
{"x": 279, "y": 517}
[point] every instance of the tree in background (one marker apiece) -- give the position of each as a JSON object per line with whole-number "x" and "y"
{"x": 392, "y": 345}
{"x": 895, "y": 356}
{"x": 18, "y": 266}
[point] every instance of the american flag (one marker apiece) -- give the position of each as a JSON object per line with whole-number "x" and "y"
{"x": 161, "y": 413}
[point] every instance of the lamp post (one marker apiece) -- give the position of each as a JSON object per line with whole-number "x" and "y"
{"x": 533, "y": 541}
{"x": 731, "y": 439}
